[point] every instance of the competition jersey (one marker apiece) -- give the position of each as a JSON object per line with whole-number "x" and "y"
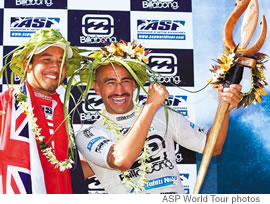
{"x": 47, "y": 104}
{"x": 94, "y": 144}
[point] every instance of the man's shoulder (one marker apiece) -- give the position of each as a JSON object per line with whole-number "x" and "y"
{"x": 172, "y": 115}
{"x": 93, "y": 130}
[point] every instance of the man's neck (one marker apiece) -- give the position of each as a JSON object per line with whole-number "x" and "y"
{"x": 40, "y": 91}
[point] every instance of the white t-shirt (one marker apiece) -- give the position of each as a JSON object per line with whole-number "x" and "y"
{"x": 94, "y": 144}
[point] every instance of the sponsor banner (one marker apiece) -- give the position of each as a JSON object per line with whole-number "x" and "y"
{"x": 161, "y": 5}
{"x": 188, "y": 174}
{"x": 179, "y": 100}
{"x": 7, "y": 80}
{"x": 20, "y": 24}
{"x": 51, "y": 4}
{"x": 173, "y": 67}
{"x": 167, "y": 30}
{"x": 1, "y": 26}
{"x": 1, "y": 62}
{"x": 176, "y": 102}
{"x": 118, "y": 5}
{"x": 97, "y": 28}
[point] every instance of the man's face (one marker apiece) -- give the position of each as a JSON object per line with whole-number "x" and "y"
{"x": 116, "y": 87}
{"x": 44, "y": 72}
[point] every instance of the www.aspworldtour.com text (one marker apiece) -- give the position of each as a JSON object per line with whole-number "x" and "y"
{"x": 233, "y": 199}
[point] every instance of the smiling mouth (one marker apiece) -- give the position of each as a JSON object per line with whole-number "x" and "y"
{"x": 50, "y": 76}
{"x": 120, "y": 100}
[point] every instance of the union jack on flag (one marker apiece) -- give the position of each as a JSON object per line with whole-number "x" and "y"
{"x": 15, "y": 176}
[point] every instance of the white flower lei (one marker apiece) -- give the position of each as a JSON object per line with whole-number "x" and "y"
{"x": 46, "y": 150}
{"x": 143, "y": 157}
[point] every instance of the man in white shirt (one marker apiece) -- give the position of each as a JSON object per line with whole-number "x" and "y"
{"x": 131, "y": 148}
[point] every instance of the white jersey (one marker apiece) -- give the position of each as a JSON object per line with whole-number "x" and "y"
{"x": 94, "y": 144}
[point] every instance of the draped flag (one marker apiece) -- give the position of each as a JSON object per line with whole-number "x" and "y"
{"x": 15, "y": 165}
{"x": 14, "y": 148}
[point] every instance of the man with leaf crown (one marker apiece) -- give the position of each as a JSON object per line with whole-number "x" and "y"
{"x": 37, "y": 150}
{"x": 131, "y": 147}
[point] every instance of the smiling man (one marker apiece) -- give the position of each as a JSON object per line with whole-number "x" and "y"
{"x": 116, "y": 90}
{"x": 35, "y": 151}
{"x": 131, "y": 147}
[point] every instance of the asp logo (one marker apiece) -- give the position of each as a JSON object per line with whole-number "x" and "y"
{"x": 161, "y": 29}
{"x": 33, "y": 22}
{"x": 25, "y": 26}
{"x": 160, "y": 25}
{"x": 177, "y": 102}
{"x": 97, "y": 29}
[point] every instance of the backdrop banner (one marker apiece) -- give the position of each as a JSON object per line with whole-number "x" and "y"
{"x": 184, "y": 36}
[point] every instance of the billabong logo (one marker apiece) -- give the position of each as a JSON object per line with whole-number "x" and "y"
{"x": 92, "y": 102}
{"x": 165, "y": 65}
{"x": 160, "y": 4}
{"x": 90, "y": 108}
{"x": 97, "y": 29}
{"x": 48, "y": 3}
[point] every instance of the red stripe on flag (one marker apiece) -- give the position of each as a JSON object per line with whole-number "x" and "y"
{"x": 14, "y": 186}
{"x": 19, "y": 120}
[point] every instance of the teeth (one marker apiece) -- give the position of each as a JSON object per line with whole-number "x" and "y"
{"x": 51, "y": 77}
{"x": 119, "y": 100}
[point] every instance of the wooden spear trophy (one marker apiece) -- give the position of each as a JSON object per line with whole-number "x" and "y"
{"x": 234, "y": 75}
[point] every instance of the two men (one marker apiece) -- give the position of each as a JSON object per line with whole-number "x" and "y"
{"x": 125, "y": 146}
{"x": 35, "y": 150}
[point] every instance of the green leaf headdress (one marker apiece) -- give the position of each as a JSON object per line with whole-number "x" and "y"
{"x": 37, "y": 43}
{"x": 27, "y": 50}
{"x": 130, "y": 55}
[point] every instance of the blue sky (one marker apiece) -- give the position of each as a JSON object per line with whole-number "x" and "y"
{"x": 209, "y": 18}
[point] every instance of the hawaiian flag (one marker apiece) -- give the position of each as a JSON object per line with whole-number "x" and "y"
{"x": 15, "y": 174}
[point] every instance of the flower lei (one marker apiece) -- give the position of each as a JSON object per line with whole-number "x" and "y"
{"x": 143, "y": 157}
{"x": 45, "y": 149}
{"x": 123, "y": 50}
{"x": 228, "y": 60}
{"x": 131, "y": 55}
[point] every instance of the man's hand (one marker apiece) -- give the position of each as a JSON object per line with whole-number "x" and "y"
{"x": 157, "y": 94}
{"x": 232, "y": 95}
{"x": 2, "y": 112}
